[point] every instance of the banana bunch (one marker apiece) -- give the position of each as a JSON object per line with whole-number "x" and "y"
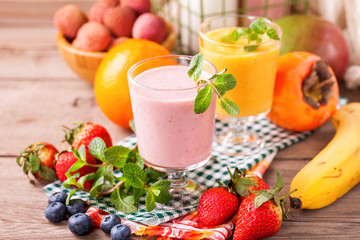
{"x": 336, "y": 169}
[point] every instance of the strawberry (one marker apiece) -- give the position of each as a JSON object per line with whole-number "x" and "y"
{"x": 96, "y": 215}
{"x": 65, "y": 160}
{"x": 216, "y": 206}
{"x": 39, "y": 158}
{"x": 244, "y": 185}
{"x": 260, "y": 215}
{"x": 84, "y": 133}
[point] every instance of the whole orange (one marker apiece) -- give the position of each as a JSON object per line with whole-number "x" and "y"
{"x": 111, "y": 84}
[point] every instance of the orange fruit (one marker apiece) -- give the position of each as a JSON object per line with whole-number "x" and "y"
{"x": 111, "y": 84}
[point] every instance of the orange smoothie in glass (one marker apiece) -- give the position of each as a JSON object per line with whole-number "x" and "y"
{"x": 254, "y": 70}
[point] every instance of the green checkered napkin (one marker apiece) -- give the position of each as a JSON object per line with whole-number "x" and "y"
{"x": 276, "y": 138}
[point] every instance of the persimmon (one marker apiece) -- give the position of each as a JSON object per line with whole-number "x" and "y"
{"x": 306, "y": 92}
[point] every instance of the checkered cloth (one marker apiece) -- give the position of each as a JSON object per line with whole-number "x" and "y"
{"x": 276, "y": 139}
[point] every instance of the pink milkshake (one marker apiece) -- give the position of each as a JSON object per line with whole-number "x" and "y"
{"x": 170, "y": 135}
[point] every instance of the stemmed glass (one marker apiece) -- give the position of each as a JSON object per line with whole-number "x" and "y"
{"x": 170, "y": 136}
{"x": 254, "y": 66}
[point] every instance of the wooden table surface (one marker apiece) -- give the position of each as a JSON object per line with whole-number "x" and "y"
{"x": 39, "y": 94}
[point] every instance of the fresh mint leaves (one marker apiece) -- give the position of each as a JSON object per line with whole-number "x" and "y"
{"x": 257, "y": 27}
{"x": 223, "y": 82}
{"x": 126, "y": 189}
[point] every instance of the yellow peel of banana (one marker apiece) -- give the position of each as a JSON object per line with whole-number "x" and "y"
{"x": 336, "y": 169}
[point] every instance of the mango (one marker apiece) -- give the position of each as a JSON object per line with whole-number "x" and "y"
{"x": 316, "y": 35}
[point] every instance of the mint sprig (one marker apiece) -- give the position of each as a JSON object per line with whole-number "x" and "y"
{"x": 257, "y": 27}
{"x": 223, "y": 82}
{"x": 125, "y": 190}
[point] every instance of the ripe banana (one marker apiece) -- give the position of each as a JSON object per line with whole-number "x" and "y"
{"x": 336, "y": 169}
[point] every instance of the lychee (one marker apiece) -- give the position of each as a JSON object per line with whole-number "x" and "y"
{"x": 117, "y": 41}
{"x": 97, "y": 10}
{"x": 120, "y": 20}
{"x": 139, "y": 6}
{"x": 68, "y": 19}
{"x": 92, "y": 36}
{"x": 151, "y": 27}
{"x": 112, "y": 3}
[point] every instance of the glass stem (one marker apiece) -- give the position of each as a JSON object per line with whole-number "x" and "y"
{"x": 239, "y": 129}
{"x": 178, "y": 179}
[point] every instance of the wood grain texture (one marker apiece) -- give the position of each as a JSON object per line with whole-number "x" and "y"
{"x": 39, "y": 94}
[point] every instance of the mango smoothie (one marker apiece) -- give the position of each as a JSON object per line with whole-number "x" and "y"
{"x": 170, "y": 135}
{"x": 254, "y": 70}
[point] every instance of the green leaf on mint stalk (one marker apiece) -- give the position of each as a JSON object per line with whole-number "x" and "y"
{"x": 135, "y": 175}
{"x": 229, "y": 106}
{"x": 71, "y": 193}
{"x": 97, "y": 183}
{"x": 195, "y": 67}
{"x": 117, "y": 155}
{"x": 122, "y": 202}
{"x": 218, "y": 74}
{"x": 76, "y": 166}
{"x": 203, "y": 99}
{"x": 224, "y": 83}
{"x": 86, "y": 177}
{"x": 71, "y": 180}
{"x": 150, "y": 200}
{"x": 132, "y": 125}
{"x": 259, "y": 26}
{"x": 97, "y": 148}
{"x": 152, "y": 174}
{"x": 160, "y": 190}
{"x": 272, "y": 34}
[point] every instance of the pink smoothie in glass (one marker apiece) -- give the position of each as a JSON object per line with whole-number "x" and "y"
{"x": 169, "y": 133}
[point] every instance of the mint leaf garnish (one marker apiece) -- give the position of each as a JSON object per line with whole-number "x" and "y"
{"x": 132, "y": 125}
{"x": 126, "y": 189}
{"x": 97, "y": 148}
{"x": 117, "y": 155}
{"x": 135, "y": 175}
{"x": 150, "y": 201}
{"x": 195, "y": 67}
{"x": 123, "y": 202}
{"x": 203, "y": 99}
{"x": 250, "y": 48}
{"x": 223, "y": 83}
{"x": 229, "y": 106}
{"x": 272, "y": 34}
{"x": 257, "y": 28}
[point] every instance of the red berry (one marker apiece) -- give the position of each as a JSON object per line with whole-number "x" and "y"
{"x": 262, "y": 222}
{"x": 65, "y": 160}
{"x": 84, "y": 134}
{"x": 216, "y": 206}
{"x": 96, "y": 215}
{"x": 45, "y": 157}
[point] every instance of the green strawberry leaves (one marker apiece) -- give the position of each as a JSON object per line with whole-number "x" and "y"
{"x": 126, "y": 190}
{"x": 223, "y": 83}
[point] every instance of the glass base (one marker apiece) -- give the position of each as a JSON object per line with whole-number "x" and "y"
{"x": 185, "y": 194}
{"x": 238, "y": 140}
{"x": 234, "y": 145}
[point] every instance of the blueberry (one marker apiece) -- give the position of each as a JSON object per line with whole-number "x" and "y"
{"x": 77, "y": 206}
{"x": 108, "y": 222}
{"x": 120, "y": 232}
{"x": 80, "y": 224}
{"x": 58, "y": 197}
{"x": 55, "y": 212}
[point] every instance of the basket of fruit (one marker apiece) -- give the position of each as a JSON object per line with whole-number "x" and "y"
{"x": 83, "y": 40}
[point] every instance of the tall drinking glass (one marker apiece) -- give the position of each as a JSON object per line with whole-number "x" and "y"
{"x": 254, "y": 66}
{"x": 170, "y": 136}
